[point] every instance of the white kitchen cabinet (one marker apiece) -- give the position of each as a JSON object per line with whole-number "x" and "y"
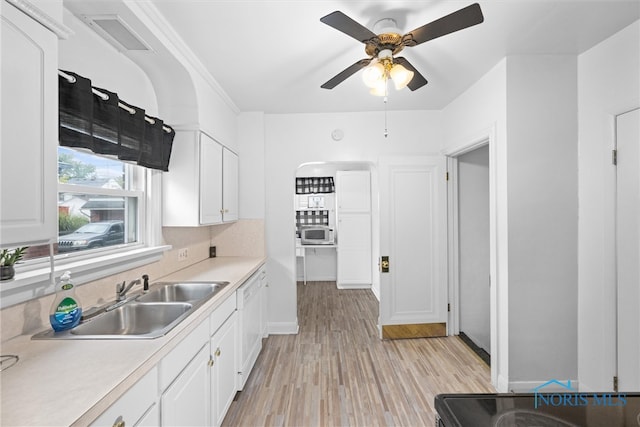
{"x": 201, "y": 187}
{"x": 224, "y": 368}
{"x": 353, "y": 191}
{"x": 211, "y": 185}
{"x": 229, "y": 185}
{"x": 29, "y": 117}
{"x": 353, "y": 196}
{"x": 185, "y": 402}
{"x": 137, "y": 407}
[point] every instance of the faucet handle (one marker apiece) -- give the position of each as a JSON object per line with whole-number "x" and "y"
{"x": 145, "y": 278}
{"x": 120, "y": 286}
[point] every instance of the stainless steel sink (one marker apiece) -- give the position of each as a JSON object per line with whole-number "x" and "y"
{"x": 135, "y": 319}
{"x": 148, "y": 315}
{"x": 182, "y": 292}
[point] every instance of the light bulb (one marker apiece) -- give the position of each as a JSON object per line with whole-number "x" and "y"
{"x": 373, "y": 74}
{"x": 380, "y": 89}
{"x": 401, "y": 76}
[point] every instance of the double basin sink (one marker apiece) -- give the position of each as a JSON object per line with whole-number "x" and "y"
{"x": 148, "y": 315}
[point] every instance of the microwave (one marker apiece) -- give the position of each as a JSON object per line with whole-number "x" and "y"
{"x": 317, "y": 235}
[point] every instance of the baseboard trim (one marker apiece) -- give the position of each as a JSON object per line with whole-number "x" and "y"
{"x": 362, "y": 286}
{"x": 283, "y": 328}
{"x": 414, "y": 330}
{"x": 529, "y": 386}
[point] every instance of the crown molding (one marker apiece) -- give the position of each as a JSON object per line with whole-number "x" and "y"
{"x": 59, "y": 29}
{"x": 162, "y": 26}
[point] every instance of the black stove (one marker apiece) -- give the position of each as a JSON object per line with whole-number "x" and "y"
{"x": 531, "y": 410}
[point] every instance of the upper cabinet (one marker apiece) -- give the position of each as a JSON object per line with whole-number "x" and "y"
{"x": 28, "y": 175}
{"x": 201, "y": 187}
{"x": 353, "y": 191}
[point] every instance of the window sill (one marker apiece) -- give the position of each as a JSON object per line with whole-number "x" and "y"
{"x": 36, "y": 283}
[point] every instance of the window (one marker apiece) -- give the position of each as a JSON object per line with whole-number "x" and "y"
{"x": 101, "y": 205}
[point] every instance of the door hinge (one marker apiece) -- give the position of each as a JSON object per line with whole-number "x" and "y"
{"x": 615, "y": 383}
{"x": 446, "y": 176}
{"x": 614, "y": 157}
{"x": 448, "y": 307}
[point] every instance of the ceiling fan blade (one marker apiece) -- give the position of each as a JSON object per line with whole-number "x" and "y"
{"x": 418, "y": 79}
{"x": 347, "y": 72}
{"x": 463, "y": 18}
{"x": 342, "y": 22}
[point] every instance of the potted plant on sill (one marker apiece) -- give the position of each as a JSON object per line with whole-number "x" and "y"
{"x": 8, "y": 257}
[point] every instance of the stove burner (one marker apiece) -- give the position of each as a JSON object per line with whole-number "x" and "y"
{"x": 526, "y": 418}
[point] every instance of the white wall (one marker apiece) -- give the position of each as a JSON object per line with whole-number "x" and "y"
{"x": 294, "y": 139}
{"x": 473, "y": 207}
{"x": 526, "y": 106}
{"x": 251, "y": 165}
{"x": 542, "y": 185}
{"x": 608, "y": 84}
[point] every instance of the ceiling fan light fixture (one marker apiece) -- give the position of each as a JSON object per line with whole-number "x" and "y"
{"x": 400, "y": 76}
{"x": 373, "y": 74}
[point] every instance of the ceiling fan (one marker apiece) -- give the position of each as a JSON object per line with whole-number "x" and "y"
{"x": 381, "y": 48}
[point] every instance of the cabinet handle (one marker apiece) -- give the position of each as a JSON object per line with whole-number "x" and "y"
{"x": 221, "y": 210}
{"x": 119, "y": 422}
{"x": 210, "y": 363}
{"x": 218, "y": 352}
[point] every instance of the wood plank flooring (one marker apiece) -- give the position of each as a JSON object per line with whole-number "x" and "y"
{"x": 337, "y": 372}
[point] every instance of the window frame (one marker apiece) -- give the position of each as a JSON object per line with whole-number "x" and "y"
{"x": 37, "y": 277}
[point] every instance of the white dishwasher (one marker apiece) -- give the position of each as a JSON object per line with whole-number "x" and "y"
{"x": 249, "y": 311}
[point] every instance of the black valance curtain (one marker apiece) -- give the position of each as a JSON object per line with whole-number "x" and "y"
{"x": 314, "y": 185}
{"x": 97, "y": 120}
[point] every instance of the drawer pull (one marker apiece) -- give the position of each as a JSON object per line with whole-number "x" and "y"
{"x": 119, "y": 422}
{"x": 218, "y": 352}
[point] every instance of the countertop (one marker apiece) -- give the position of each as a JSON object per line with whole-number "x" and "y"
{"x": 71, "y": 382}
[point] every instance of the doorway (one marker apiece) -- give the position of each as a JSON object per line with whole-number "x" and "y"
{"x": 628, "y": 250}
{"x": 325, "y": 263}
{"x": 473, "y": 250}
{"x": 498, "y": 336}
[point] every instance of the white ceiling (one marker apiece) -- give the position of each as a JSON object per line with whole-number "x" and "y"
{"x": 272, "y": 56}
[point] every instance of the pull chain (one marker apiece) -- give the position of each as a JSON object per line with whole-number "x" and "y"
{"x": 386, "y": 93}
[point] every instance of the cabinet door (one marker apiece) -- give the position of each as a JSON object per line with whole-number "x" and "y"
{"x": 29, "y": 130}
{"x": 210, "y": 181}
{"x": 353, "y": 190}
{"x": 354, "y": 250}
{"x": 224, "y": 371}
{"x": 186, "y": 401}
{"x": 229, "y": 185}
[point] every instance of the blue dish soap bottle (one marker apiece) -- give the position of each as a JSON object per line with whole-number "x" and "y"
{"x": 66, "y": 310}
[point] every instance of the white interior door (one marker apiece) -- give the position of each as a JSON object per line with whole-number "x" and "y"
{"x": 413, "y": 293}
{"x": 628, "y": 249}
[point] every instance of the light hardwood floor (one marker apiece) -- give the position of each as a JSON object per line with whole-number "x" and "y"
{"x": 337, "y": 372}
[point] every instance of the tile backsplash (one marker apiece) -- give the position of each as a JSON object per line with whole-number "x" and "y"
{"x": 242, "y": 238}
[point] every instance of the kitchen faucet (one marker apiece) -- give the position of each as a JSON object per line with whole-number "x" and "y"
{"x": 121, "y": 289}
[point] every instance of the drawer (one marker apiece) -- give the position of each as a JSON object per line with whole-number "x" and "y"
{"x": 221, "y": 314}
{"x": 133, "y": 404}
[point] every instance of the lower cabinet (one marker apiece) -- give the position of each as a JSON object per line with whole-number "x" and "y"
{"x": 224, "y": 368}
{"x": 196, "y": 382}
{"x": 185, "y": 402}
